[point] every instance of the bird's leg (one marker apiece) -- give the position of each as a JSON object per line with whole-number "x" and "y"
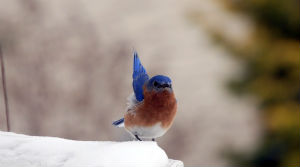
{"x": 136, "y": 136}
{"x": 153, "y": 139}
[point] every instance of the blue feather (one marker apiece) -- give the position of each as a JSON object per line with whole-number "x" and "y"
{"x": 139, "y": 77}
{"x": 118, "y": 122}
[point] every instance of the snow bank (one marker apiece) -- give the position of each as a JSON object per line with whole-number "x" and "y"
{"x": 24, "y": 151}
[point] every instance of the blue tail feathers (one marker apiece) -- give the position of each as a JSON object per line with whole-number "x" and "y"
{"x": 118, "y": 123}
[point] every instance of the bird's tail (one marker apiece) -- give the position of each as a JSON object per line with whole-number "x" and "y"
{"x": 119, "y": 123}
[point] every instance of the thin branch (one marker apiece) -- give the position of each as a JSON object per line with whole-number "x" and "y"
{"x": 4, "y": 90}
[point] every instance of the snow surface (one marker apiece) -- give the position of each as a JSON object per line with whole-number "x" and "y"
{"x": 24, "y": 151}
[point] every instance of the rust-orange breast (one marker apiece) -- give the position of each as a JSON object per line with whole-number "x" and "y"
{"x": 156, "y": 107}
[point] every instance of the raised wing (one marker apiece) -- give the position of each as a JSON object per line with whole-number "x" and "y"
{"x": 139, "y": 77}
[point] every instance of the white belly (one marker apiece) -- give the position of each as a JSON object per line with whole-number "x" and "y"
{"x": 147, "y": 132}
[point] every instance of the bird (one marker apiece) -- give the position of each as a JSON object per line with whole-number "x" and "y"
{"x": 152, "y": 106}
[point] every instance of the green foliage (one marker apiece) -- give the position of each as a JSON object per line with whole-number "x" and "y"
{"x": 272, "y": 75}
{"x": 281, "y": 16}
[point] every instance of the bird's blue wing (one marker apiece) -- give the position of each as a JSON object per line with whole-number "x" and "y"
{"x": 139, "y": 77}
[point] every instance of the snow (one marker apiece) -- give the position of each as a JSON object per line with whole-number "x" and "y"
{"x": 24, "y": 151}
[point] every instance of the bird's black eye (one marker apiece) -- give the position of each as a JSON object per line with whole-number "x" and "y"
{"x": 155, "y": 84}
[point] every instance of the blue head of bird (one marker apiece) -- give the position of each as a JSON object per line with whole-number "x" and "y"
{"x": 159, "y": 83}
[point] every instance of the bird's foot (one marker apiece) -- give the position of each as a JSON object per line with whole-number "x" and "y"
{"x": 137, "y": 137}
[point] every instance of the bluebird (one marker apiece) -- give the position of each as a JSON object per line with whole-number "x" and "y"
{"x": 151, "y": 108}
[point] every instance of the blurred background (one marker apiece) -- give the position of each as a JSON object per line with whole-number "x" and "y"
{"x": 234, "y": 66}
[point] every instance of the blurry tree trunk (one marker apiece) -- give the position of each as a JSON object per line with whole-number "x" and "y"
{"x": 4, "y": 90}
